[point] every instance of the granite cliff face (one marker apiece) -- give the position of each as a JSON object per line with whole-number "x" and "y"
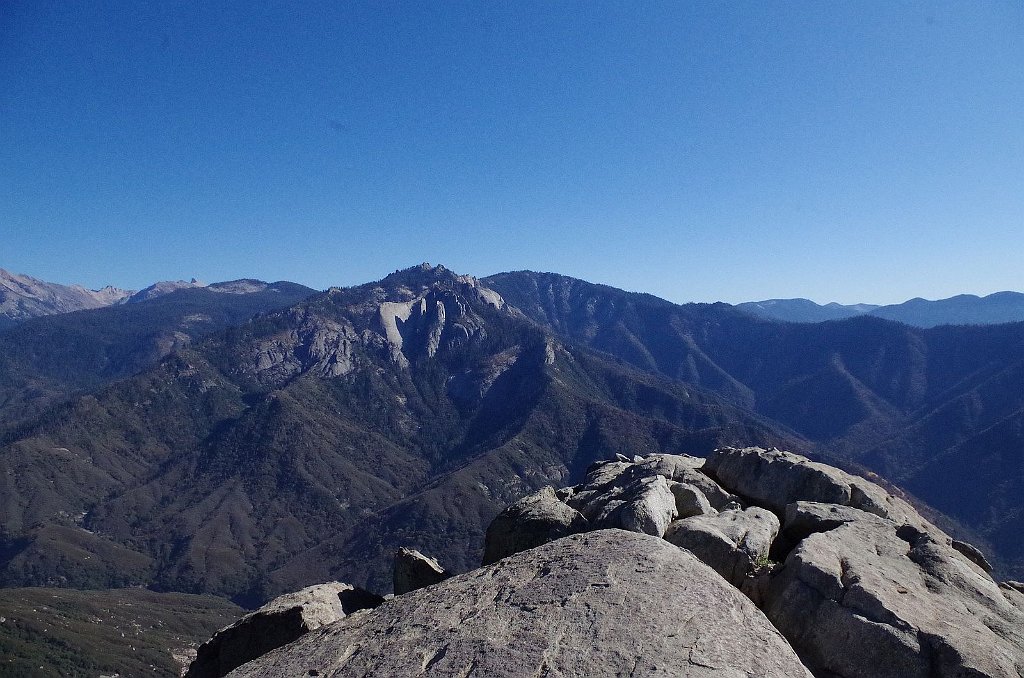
{"x": 754, "y": 562}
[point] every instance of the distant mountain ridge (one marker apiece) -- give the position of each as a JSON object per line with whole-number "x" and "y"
{"x": 963, "y": 309}
{"x": 23, "y": 297}
{"x": 803, "y": 310}
{"x": 46, "y": 359}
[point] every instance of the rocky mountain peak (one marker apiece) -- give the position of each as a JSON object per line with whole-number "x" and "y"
{"x": 164, "y": 287}
{"x": 411, "y": 314}
{"x": 242, "y": 286}
{"x": 424, "y": 276}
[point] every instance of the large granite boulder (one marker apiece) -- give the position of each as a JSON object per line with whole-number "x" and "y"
{"x": 604, "y": 603}
{"x": 278, "y": 623}
{"x": 672, "y": 466}
{"x": 533, "y": 520}
{"x": 804, "y": 518}
{"x": 867, "y": 587}
{"x": 733, "y": 542}
{"x": 690, "y": 500}
{"x": 865, "y": 597}
{"x": 626, "y": 496}
{"x": 413, "y": 570}
{"x": 774, "y": 479}
{"x": 688, "y": 470}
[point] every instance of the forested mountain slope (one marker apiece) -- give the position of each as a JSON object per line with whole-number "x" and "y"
{"x": 308, "y": 443}
{"x": 43, "y": 360}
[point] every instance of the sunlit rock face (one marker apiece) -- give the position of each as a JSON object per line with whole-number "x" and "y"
{"x": 801, "y": 570}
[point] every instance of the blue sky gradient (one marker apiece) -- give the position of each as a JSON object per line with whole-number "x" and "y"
{"x": 867, "y": 151}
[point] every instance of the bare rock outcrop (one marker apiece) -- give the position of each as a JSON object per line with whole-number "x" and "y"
{"x": 690, "y": 501}
{"x": 630, "y": 496}
{"x": 604, "y": 603}
{"x": 867, "y": 586}
{"x": 533, "y": 520}
{"x": 733, "y": 542}
{"x": 278, "y": 623}
{"x": 853, "y": 580}
{"x": 873, "y": 598}
{"x": 413, "y": 571}
{"x": 688, "y": 470}
{"x": 774, "y": 479}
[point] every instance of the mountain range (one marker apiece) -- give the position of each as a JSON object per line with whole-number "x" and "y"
{"x": 303, "y": 440}
{"x": 45, "y": 359}
{"x": 963, "y": 309}
{"x": 23, "y": 297}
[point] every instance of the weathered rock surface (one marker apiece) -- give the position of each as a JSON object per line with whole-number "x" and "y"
{"x": 605, "y": 603}
{"x": 973, "y": 554}
{"x": 1013, "y": 591}
{"x": 647, "y": 506}
{"x": 867, "y": 587}
{"x": 533, "y": 520}
{"x": 690, "y": 501}
{"x": 732, "y": 542}
{"x": 277, "y": 623}
{"x": 873, "y": 598}
{"x": 628, "y": 496}
{"x": 413, "y": 571}
{"x": 689, "y": 471}
{"x": 672, "y": 466}
{"x": 804, "y": 518}
{"x": 774, "y": 479}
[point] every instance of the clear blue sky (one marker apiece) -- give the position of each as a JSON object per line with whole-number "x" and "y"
{"x": 851, "y": 151}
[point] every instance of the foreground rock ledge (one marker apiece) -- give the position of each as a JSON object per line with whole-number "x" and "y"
{"x": 278, "y": 623}
{"x": 604, "y": 603}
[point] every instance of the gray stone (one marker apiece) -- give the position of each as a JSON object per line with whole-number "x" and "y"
{"x": 734, "y": 543}
{"x": 413, "y": 570}
{"x": 604, "y": 477}
{"x": 774, "y": 479}
{"x": 874, "y": 598}
{"x": 719, "y": 498}
{"x": 533, "y": 520}
{"x": 604, "y": 603}
{"x": 1013, "y": 591}
{"x": 973, "y": 554}
{"x": 628, "y": 496}
{"x": 690, "y": 501}
{"x": 277, "y": 623}
{"x": 686, "y": 469}
{"x": 804, "y": 518}
{"x": 645, "y": 505}
{"x": 672, "y": 466}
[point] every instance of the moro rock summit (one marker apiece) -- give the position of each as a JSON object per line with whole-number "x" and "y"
{"x": 754, "y": 562}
